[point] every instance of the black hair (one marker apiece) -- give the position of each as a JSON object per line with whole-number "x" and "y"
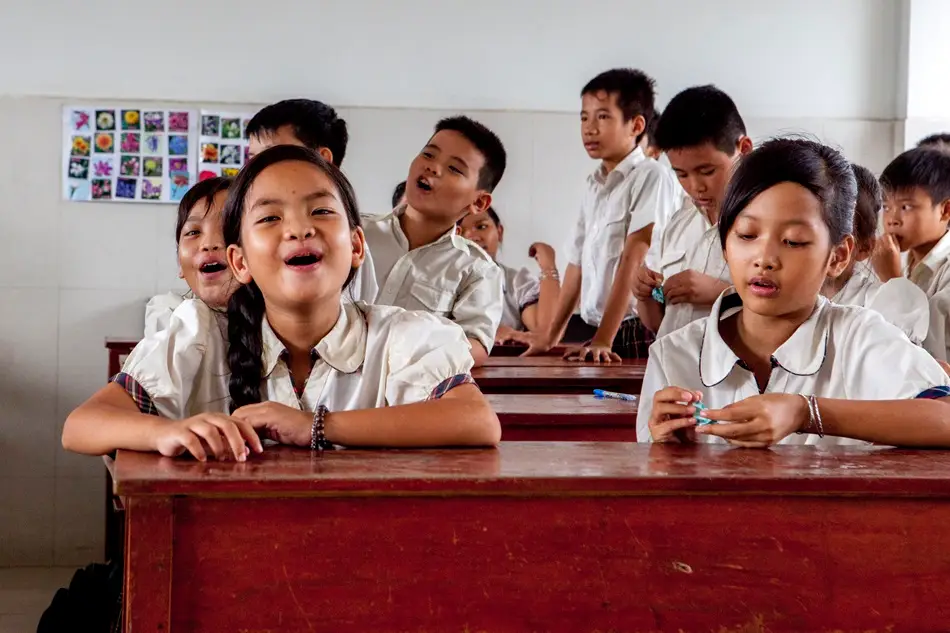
{"x": 867, "y": 209}
{"x": 486, "y": 142}
{"x": 635, "y": 90}
{"x": 650, "y": 130}
{"x": 493, "y": 215}
{"x": 398, "y": 193}
{"x": 700, "y": 115}
{"x": 246, "y": 306}
{"x": 204, "y": 191}
{"x": 936, "y": 141}
{"x": 919, "y": 168}
{"x": 816, "y": 167}
{"x": 315, "y": 124}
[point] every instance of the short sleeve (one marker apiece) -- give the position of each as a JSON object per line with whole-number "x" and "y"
{"x": 654, "y": 380}
{"x": 655, "y": 200}
{"x": 166, "y": 364}
{"x": 905, "y": 306}
{"x": 479, "y": 304}
{"x": 425, "y": 352}
{"x": 882, "y": 364}
{"x": 575, "y": 249}
{"x": 527, "y": 288}
{"x": 158, "y": 312}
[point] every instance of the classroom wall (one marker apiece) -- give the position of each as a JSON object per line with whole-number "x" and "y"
{"x": 72, "y": 274}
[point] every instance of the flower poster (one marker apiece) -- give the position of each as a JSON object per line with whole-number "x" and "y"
{"x": 128, "y": 154}
{"x": 222, "y": 145}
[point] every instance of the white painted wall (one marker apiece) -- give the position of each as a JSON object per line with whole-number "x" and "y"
{"x": 72, "y": 274}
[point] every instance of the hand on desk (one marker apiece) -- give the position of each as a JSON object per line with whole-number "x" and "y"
{"x": 596, "y": 352}
{"x": 759, "y": 421}
{"x": 278, "y": 422}
{"x": 227, "y": 438}
{"x": 506, "y": 335}
{"x": 672, "y": 417}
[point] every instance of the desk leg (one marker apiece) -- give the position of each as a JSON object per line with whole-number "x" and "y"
{"x": 148, "y": 565}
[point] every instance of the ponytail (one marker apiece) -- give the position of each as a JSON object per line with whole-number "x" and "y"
{"x": 246, "y": 347}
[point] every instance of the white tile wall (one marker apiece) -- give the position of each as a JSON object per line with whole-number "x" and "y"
{"x": 73, "y": 274}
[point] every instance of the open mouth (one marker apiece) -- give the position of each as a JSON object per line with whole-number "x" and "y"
{"x": 424, "y": 184}
{"x": 763, "y": 286}
{"x": 303, "y": 260}
{"x": 210, "y": 268}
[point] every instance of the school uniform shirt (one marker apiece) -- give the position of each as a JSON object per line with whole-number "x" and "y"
{"x": 451, "y": 277}
{"x": 375, "y": 356}
{"x": 159, "y": 309}
{"x": 363, "y": 286}
{"x": 840, "y": 351}
{"x": 899, "y": 301}
{"x": 938, "y": 336}
{"x": 932, "y": 273}
{"x": 636, "y": 194}
{"x": 690, "y": 242}
{"x": 521, "y": 289}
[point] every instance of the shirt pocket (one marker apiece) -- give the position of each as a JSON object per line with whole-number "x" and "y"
{"x": 672, "y": 262}
{"x": 434, "y": 300}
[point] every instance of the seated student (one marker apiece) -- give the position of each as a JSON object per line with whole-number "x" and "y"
{"x": 626, "y": 196}
{"x": 775, "y": 362}
{"x": 648, "y": 140}
{"x": 530, "y": 301}
{"x": 703, "y": 135}
{"x": 916, "y": 213}
{"x": 301, "y": 366}
{"x": 201, "y": 255}
{"x": 421, "y": 263}
{"x": 399, "y": 195}
{"x": 936, "y": 141}
{"x": 899, "y": 301}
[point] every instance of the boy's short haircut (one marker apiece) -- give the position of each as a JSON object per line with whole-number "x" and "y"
{"x": 398, "y": 193}
{"x": 203, "y": 191}
{"x": 315, "y": 124}
{"x": 651, "y": 128}
{"x": 936, "y": 141}
{"x": 487, "y": 143}
{"x": 919, "y": 168}
{"x": 700, "y": 115}
{"x": 635, "y": 90}
{"x": 867, "y": 211}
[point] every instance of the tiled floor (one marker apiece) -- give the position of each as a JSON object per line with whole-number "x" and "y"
{"x": 26, "y": 592}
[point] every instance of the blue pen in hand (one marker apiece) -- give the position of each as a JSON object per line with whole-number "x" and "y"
{"x": 612, "y": 395}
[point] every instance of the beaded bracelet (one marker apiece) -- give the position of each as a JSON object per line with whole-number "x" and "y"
{"x": 318, "y": 431}
{"x": 814, "y": 417}
{"x": 550, "y": 274}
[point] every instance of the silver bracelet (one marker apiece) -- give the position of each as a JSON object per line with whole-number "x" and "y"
{"x": 814, "y": 417}
{"x": 550, "y": 274}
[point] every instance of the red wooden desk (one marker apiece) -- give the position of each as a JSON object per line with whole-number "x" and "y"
{"x": 540, "y": 537}
{"x": 564, "y": 418}
{"x": 561, "y": 377}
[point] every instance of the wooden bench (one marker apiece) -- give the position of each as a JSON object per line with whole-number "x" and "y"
{"x": 561, "y": 377}
{"x": 564, "y": 418}
{"x": 540, "y": 536}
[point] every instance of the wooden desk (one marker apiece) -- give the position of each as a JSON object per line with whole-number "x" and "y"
{"x": 540, "y": 537}
{"x": 118, "y": 350}
{"x": 503, "y": 351}
{"x": 561, "y": 377}
{"x": 564, "y": 418}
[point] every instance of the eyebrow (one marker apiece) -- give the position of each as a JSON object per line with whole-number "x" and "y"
{"x": 787, "y": 223}
{"x": 310, "y": 197}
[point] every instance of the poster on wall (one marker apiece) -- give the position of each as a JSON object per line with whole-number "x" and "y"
{"x": 222, "y": 144}
{"x": 128, "y": 154}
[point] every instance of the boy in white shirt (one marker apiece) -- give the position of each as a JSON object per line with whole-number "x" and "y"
{"x": 420, "y": 261}
{"x": 703, "y": 136}
{"x": 626, "y": 196}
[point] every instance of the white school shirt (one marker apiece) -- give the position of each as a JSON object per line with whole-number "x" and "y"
{"x": 521, "y": 289}
{"x": 631, "y": 197}
{"x": 375, "y": 356}
{"x": 899, "y": 301}
{"x": 843, "y": 352}
{"x": 159, "y": 309}
{"x": 690, "y": 242}
{"x": 451, "y": 277}
{"x": 938, "y": 336}
{"x": 932, "y": 273}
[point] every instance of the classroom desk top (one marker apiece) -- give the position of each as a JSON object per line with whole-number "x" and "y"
{"x": 561, "y": 377}
{"x": 564, "y": 418}
{"x": 552, "y": 361}
{"x": 559, "y": 537}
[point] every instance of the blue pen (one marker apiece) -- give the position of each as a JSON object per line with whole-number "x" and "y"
{"x": 600, "y": 393}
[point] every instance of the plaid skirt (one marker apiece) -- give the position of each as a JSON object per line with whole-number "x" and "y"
{"x": 633, "y": 340}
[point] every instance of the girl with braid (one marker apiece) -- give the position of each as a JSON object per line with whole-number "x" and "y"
{"x": 300, "y": 363}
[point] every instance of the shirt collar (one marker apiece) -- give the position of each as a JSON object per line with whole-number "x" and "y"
{"x": 403, "y": 241}
{"x": 623, "y": 168}
{"x": 343, "y": 348}
{"x": 936, "y": 257}
{"x": 802, "y": 354}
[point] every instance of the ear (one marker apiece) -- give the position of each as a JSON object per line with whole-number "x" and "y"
{"x": 840, "y": 256}
{"x": 945, "y": 211}
{"x": 358, "y": 241}
{"x": 326, "y": 154}
{"x": 482, "y": 202}
{"x": 181, "y": 274}
{"x": 744, "y": 145}
{"x": 501, "y": 234}
{"x": 638, "y": 125}
{"x": 238, "y": 264}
